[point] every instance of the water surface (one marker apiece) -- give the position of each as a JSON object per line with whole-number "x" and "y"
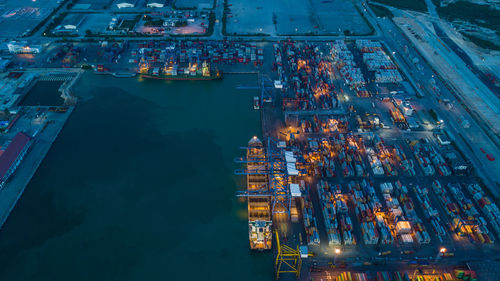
{"x": 139, "y": 186}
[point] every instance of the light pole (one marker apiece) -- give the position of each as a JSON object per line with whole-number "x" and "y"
{"x": 440, "y": 254}
{"x": 337, "y": 252}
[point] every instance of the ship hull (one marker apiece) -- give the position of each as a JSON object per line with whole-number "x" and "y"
{"x": 182, "y": 78}
{"x": 259, "y": 208}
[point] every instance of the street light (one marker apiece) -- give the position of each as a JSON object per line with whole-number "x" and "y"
{"x": 337, "y": 252}
{"x": 441, "y": 252}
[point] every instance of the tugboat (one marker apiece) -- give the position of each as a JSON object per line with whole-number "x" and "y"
{"x": 256, "y": 102}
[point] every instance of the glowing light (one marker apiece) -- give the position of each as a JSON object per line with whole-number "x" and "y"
{"x": 442, "y": 250}
{"x": 337, "y": 251}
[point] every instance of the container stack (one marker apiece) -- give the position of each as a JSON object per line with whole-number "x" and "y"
{"x": 405, "y": 163}
{"x": 474, "y": 229}
{"x": 310, "y": 77}
{"x": 422, "y": 151}
{"x": 487, "y": 206}
{"x": 430, "y": 213}
{"x": 408, "y": 207}
{"x": 310, "y": 224}
{"x": 329, "y": 209}
{"x": 378, "y": 61}
{"x": 366, "y": 205}
{"x": 182, "y": 53}
{"x": 375, "y": 163}
{"x": 344, "y": 219}
{"x": 465, "y": 275}
{"x": 344, "y": 60}
{"x": 323, "y": 124}
{"x": 386, "y": 155}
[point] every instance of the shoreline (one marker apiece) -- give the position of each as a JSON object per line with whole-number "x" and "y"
{"x": 42, "y": 141}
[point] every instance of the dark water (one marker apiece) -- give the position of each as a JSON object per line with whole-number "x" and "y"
{"x": 44, "y": 93}
{"x": 139, "y": 186}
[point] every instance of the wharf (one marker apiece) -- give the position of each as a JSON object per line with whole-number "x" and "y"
{"x": 240, "y": 72}
{"x": 14, "y": 188}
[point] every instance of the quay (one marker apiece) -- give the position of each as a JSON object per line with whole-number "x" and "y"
{"x": 41, "y": 143}
{"x": 40, "y": 125}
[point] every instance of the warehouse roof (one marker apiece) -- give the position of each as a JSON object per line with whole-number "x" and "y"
{"x": 14, "y": 149}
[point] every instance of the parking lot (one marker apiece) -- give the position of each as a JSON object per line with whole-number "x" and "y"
{"x": 20, "y": 17}
{"x": 295, "y": 18}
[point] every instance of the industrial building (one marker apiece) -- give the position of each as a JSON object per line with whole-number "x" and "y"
{"x": 73, "y": 21}
{"x": 23, "y": 47}
{"x": 125, "y": 4}
{"x": 156, "y": 3}
{"x": 12, "y": 156}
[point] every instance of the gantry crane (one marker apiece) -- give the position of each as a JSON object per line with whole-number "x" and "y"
{"x": 275, "y": 166}
{"x": 288, "y": 260}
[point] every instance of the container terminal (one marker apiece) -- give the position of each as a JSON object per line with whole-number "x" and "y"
{"x": 358, "y": 174}
{"x": 377, "y": 154}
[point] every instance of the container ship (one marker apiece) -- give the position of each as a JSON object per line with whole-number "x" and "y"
{"x": 259, "y": 208}
{"x": 171, "y": 71}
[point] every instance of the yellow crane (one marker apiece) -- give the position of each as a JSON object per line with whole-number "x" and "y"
{"x": 288, "y": 260}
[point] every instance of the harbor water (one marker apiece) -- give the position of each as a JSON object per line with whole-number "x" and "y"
{"x": 139, "y": 185}
{"x": 44, "y": 93}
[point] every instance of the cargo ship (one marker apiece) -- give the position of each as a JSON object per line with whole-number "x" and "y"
{"x": 171, "y": 71}
{"x": 259, "y": 207}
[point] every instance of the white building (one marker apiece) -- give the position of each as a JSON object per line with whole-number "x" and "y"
{"x": 125, "y": 4}
{"x": 155, "y": 4}
{"x": 23, "y": 48}
{"x": 73, "y": 21}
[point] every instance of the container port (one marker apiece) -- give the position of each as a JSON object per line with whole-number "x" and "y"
{"x": 375, "y": 158}
{"x": 375, "y": 183}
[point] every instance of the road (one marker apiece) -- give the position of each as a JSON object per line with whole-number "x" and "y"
{"x": 396, "y": 41}
{"x": 441, "y": 33}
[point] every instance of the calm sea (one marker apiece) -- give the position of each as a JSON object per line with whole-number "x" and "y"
{"x": 139, "y": 185}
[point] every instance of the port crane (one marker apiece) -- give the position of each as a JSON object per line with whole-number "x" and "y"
{"x": 275, "y": 167}
{"x": 288, "y": 260}
{"x": 265, "y": 87}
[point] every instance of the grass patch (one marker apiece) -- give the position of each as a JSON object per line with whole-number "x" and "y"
{"x": 380, "y": 11}
{"x": 482, "y": 15}
{"x": 414, "y": 5}
{"x": 130, "y": 23}
{"x": 482, "y": 43}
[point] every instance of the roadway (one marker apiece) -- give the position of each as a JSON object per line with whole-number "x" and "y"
{"x": 395, "y": 41}
{"x": 441, "y": 33}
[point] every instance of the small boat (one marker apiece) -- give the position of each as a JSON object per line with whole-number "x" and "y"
{"x": 256, "y": 102}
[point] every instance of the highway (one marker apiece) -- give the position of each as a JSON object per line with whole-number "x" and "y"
{"x": 396, "y": 42}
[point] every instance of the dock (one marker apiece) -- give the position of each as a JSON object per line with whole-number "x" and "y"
{"x": 41, "y": 144}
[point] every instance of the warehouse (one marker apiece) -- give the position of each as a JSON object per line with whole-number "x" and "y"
{"x": 12, "y": 156}
{"x": 125, "y": 4}
{"x": 72, "y": 22}
{"x": 155, "y": 4}
{"x": 23, "y": 47}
